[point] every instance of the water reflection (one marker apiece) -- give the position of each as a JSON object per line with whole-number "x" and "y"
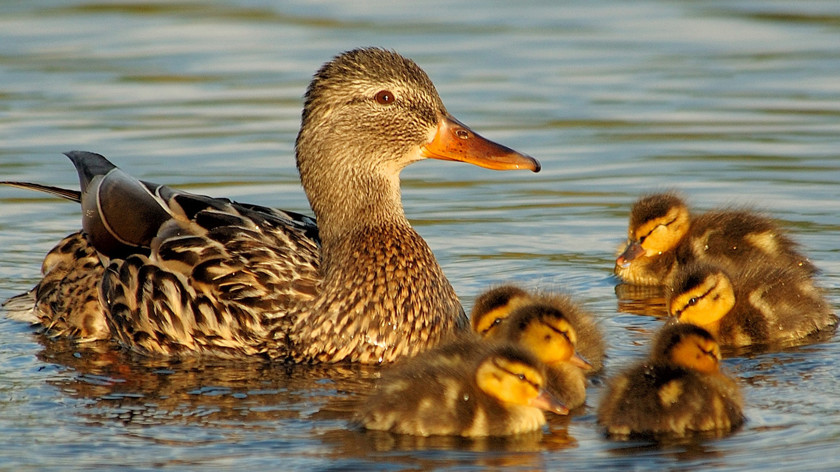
{"x": 128, "y": 389}
{"x": 648, "y": 300}
{"x": 121, "y": 388}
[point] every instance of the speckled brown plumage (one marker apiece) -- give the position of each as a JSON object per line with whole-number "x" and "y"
{"x": 182, "y": 274}
{"x": 66, "y": 300}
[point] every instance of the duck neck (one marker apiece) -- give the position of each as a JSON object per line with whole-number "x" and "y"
{"x": 349, "y": 200}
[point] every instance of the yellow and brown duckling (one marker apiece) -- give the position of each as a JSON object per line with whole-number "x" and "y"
{"x": 493, "y": 307}
{"x": 550, "y": 336}
{"x": 166, "y": 272}
{"x": 662, "y": 235}
{"x": 756, "y": 305}
{"x": 489, "y": 390}
{"x": 678, "y": 391}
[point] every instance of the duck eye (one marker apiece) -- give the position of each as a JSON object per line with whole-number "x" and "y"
{"x": 521, "y": 376}
{"x": 692, "y": 301}
{"x": 384, "y": 97}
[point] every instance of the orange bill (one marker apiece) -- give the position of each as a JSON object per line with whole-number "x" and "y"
{"x": 454, "y": 141}
{"x": 580, "y": 362}
{"x": 546, "y": 402}
{"x": 632, "y": 251}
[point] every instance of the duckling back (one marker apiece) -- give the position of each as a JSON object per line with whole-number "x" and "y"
{"x": 437, "y": 393}
{"x": 663, "y": 396}
{"x": 769, "y": 304}
{"x": 735, "y": 239}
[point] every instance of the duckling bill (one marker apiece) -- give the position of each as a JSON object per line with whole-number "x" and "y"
{"x": 166, "y": 272}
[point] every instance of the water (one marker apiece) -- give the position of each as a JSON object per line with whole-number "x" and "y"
{"x": 728, "y": 103}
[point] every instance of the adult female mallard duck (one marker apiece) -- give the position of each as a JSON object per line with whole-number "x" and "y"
{"x": 757, "y": 305}
{"x": 171, "y": 273}
{"x": 662, "y": 235}
{"x": 486, "y": 389}
{"x": 678, "y": 391}
{"x": 493, "y": 307}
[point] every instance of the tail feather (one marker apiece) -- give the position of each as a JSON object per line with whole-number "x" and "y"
{"x": 22, "y": 307}
{"x": 72, "y": 195}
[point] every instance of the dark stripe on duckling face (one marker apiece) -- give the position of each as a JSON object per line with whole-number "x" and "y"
{"x": 692, "y": 301}
{"x": 501, "y": 365}
{"x": 665, "y": 224}
{"x": 688, "y": 346}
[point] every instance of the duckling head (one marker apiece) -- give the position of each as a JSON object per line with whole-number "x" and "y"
{"x": 657, "y": 224}
{"x": 515, "y": 378}
{"x": 701, "y": 295}
{"x": 688, "y": 346}
{"x": 545, "y": 330}
{"x": 494, "y": 305}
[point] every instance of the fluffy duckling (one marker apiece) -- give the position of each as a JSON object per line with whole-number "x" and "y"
{"x": 662, "y": 235}
{"x": 548, "y": 333}
{"x": 494, "y": 306}
{"x": 758, "y": 305}
{"x": 678, "y": 391}
{"x": 489, "y": 390}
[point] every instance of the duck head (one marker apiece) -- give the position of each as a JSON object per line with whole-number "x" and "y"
{"x": 368, "y": 113}
{"x": 494, "y": 306}
{"x": 513, "y": 377}
{"x": 701, "y": 295}
{"x": 688, "y": 346}
{"x": 545, "y": 331}
{"x": 657, "y": 224}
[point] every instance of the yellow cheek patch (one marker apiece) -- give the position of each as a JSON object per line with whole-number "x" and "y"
{"x": 697, "y": 353}
{"x": 510, "y": 382}
{"x": 486, "y": 323}
{"x": 552, "y": 341}
{"x": 705, "y": 304}
{"x": 663, "y": 234}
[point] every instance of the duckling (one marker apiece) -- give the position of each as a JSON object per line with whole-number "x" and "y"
{"x": 757, "y": 305}
{"x": 549, "y": 334}
{"x": 492, "y": 307}
{"x": 678, "y": 391}
{"x": 179, "y": 274}
{"x": 497, "y": 391}
{"x": 662, "y": 235}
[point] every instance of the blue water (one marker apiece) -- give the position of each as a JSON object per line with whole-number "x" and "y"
{"x": 730, "y": 102}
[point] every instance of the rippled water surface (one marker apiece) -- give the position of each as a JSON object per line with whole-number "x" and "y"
{"x": 730, "y": 102}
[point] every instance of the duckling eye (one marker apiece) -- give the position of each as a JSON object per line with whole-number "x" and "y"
{"x": 692, "y": 301}
{"x": 521, "y": 377}
{"x": 384, "y": 97}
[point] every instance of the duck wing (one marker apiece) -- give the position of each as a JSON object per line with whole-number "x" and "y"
{"x": 181, "y": 272}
